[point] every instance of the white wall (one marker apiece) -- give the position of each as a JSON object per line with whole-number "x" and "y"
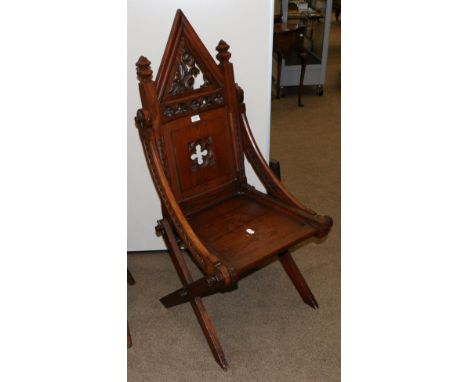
{"x": 247, "y": 26}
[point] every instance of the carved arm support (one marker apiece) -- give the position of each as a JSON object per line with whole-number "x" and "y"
{"x": 273, "y": 185}
{"x": 209, "y": 262}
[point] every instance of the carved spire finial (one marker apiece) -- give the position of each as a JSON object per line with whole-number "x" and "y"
{"x": 144, "y": 72}
{"x": 223, "y": 54}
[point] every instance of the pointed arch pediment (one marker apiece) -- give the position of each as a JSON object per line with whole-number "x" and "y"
{"x": 187, "y": 68}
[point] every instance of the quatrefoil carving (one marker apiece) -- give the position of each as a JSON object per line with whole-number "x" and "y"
{"x": 201, "y": 153}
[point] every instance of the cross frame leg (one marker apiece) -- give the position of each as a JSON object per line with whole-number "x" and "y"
{"x": 201, "y": 288}
{"x": 297, "y": 279}
{"x": 288, "y": 262}
{"x": 196, "y": 302}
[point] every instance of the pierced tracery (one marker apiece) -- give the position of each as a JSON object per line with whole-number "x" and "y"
{"x": 186, "y": 72}
{"x": 201, "y": 153}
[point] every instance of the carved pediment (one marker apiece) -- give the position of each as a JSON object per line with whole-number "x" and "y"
{"x": 187, "y": 72}
{"x": 186, "y": 67}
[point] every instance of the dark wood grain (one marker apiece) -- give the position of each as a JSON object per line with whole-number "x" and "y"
{"x": 195, "y": 137}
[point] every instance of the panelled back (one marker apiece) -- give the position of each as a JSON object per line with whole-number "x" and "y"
{"x": 199, "y": 152}
{"x": 192, "y": 105}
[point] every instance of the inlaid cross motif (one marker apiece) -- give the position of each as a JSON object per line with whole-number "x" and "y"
{"x": 199, "y": 154}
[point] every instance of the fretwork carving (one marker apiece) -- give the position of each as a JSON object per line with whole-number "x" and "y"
{"x": 186, "y": 72}
{"x": 194, "y": 105}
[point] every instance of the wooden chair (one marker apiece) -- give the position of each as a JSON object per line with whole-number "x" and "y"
{"x": 195, "y": 137}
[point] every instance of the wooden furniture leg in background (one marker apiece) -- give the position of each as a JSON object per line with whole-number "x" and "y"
{"x": 278, "y": 74}
{"x": 197, "y": 304}
{"x": 302, "y": 56}
{"x": 131, "y": 281}
{"x": 288, "y": 38}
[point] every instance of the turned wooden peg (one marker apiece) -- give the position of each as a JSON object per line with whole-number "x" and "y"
{"x": 223, "y": 52}
{"x": 144, "y": 72}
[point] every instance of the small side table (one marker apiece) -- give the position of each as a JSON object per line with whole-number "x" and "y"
{"x": 288, "y": 38}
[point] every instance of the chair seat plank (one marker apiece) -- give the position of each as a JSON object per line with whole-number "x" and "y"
{"x": 224, "y": 229}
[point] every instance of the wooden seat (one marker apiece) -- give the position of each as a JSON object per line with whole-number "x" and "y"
{"x": 251, "y": 230}
{"x": 196, "y": 136}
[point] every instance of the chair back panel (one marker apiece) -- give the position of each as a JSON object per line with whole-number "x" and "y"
{"x": 199, "y": 152}
{"x": 193, "y": 108}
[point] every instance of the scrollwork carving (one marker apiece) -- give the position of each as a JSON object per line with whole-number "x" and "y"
{"x": 215, "y": 280}
{"x": 186, "y": 72}
{"x": 143, "y": 119}
{"x": 163, "y": 156}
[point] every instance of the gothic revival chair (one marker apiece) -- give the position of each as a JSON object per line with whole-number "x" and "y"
{"x": 195, "y": 135}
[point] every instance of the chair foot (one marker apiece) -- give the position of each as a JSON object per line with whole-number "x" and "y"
{"x": 311, "y": 301}
{"x": 196, "y": 302}
{"x": 129, "y": 337}
{"x": 209, "y": 332}
{"x": 298, "y": 280}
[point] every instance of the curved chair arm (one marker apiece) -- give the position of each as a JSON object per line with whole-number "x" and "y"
{"x": 273, "y": 185}
{"x": 209, "y": 262}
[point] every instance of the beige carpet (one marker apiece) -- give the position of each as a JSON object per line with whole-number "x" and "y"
{"x": 267, "y": 332}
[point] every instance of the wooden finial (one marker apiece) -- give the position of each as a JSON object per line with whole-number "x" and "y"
{"x": 144, "y": 72}
{"x": 223, "y": 54}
